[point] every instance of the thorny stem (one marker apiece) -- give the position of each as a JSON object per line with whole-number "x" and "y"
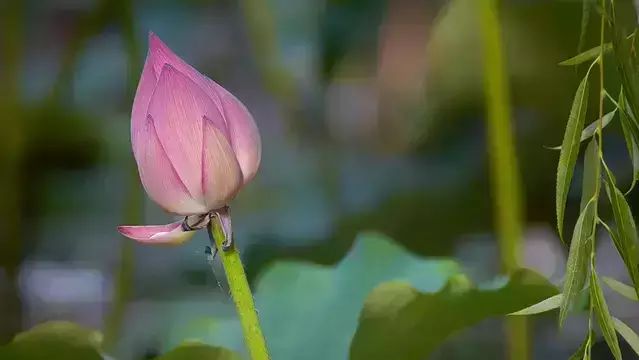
{"x": 240, "y": 291}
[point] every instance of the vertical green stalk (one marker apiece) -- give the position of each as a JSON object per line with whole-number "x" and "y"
{"x": 504, "y": 170}
{"x": 241, "y": 293}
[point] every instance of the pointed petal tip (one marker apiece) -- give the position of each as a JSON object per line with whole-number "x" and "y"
{"x": 170, "y": 234}
{"x": 154, "y": 40}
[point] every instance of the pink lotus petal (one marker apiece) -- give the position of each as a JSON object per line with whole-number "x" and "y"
{"x": 177, "y": 107}
{"x": 244, "y": 135}
{"x": 221, "y": 173}
{"x": 162, "y": 54}
{"x": 159, "y": 177}
{"x": 170, "y": 234}
{"x": 145, "y": 90}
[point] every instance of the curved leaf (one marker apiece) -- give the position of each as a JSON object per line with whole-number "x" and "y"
{"x": 601, "y": 311}
{"x": 622, "y": 289}
{"x": 583, "y": 352}
{"x": 309, "y": 311}
{"x": 551, "y": 303}
{"x": 398, "y": 322}
{"x": 628, "y": 334}
{"x": 587, "y": 55}
{"x": 590, "y": 130}
{"x": 577, "y": 264}
{"x": 570, "y": 150}
{"x": 631, "y": 136}
{"x": 625, "y": 235}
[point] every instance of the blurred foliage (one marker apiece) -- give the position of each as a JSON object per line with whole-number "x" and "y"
{"x": 56, "y": 340}
{"x": 62, "y": 340}
{"x": 198, "y": 351}
{"x": 399, "y": 322}
{"x": 309, "y": 312}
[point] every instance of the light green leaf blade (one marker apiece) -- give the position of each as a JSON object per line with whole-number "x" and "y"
{"x": 583, "y": 351}
{"x": 601, "y": 311}
{"x": 551, "y": 303}
{"x": 590, "y": 130}
{"x": 624, "y": 236}
{"x": 622, "y": 289}
{"x": 570, "y": 150}
{"x": 627, "y": 333}
{"x": 577, "y": 264}
{"x": 200, "y": 351}
{"x": 587, "y": 55}
{"x": 592, "y": 173}
{"x": 399, "y": 322}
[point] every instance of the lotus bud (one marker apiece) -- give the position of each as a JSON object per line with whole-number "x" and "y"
{"x": 194, "y": 143}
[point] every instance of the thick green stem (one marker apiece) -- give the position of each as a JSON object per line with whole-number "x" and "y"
{"x": 504, "y": 170}
{"x": 241, "y": 293}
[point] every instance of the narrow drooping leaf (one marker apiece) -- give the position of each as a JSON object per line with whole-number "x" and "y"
{"x": 626, "y": 60}
{"x": 590, "y": 130}
{"x": 577, "y": 265}
{"x": 624, "y": 236}
{"x": 551, "y": 303}
{"x": 592, "y": 173}
{"x": 570, "y": 150}
{"x": 583, "y": 351}
{"x": 627, "y": 333}
{"x": 586, "y": 7}
{"x": 631, "y": 136}
{"x": 587, "y": 55}
{"x": 620, "y": 288}
{"x": 601, "y": 311}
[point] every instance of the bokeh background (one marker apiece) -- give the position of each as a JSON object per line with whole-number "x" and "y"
{"x": 375, "y": 166}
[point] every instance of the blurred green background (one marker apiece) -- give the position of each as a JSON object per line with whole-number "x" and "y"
{"x": 375, "y": 166}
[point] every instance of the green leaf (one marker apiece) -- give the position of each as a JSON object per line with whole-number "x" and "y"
{"x": 622, "y": 289}
{"x": 577, "y": 264}
{"x": 309, "y": 311}
{"x": 631, "y": 136}
{"x": 551, "y": 303}
{"x": 55, "y": 340}
{"x": 624, "y": 236}
{"x": 570, "y": 150}
{"x": 586, "y": 6}
{"x": 592, "y": 173}
{"x": 587, "y": 55}
{"x": 583, "y": 351}
{"x": 199, "y": 351}
{"x": 590, "y": 130}
{"x": 601, "y": 311}
{"x": 627, "y": 62}
{"x": 627, "y": 333}
{"x": 399, "y": 322}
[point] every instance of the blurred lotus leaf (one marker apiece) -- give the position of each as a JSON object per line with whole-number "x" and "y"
{"x": 399, "y": 322}
{"x": 199, "y": 351}
{"x": 309, "y": 311}
{"x": 54, "y": 340}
